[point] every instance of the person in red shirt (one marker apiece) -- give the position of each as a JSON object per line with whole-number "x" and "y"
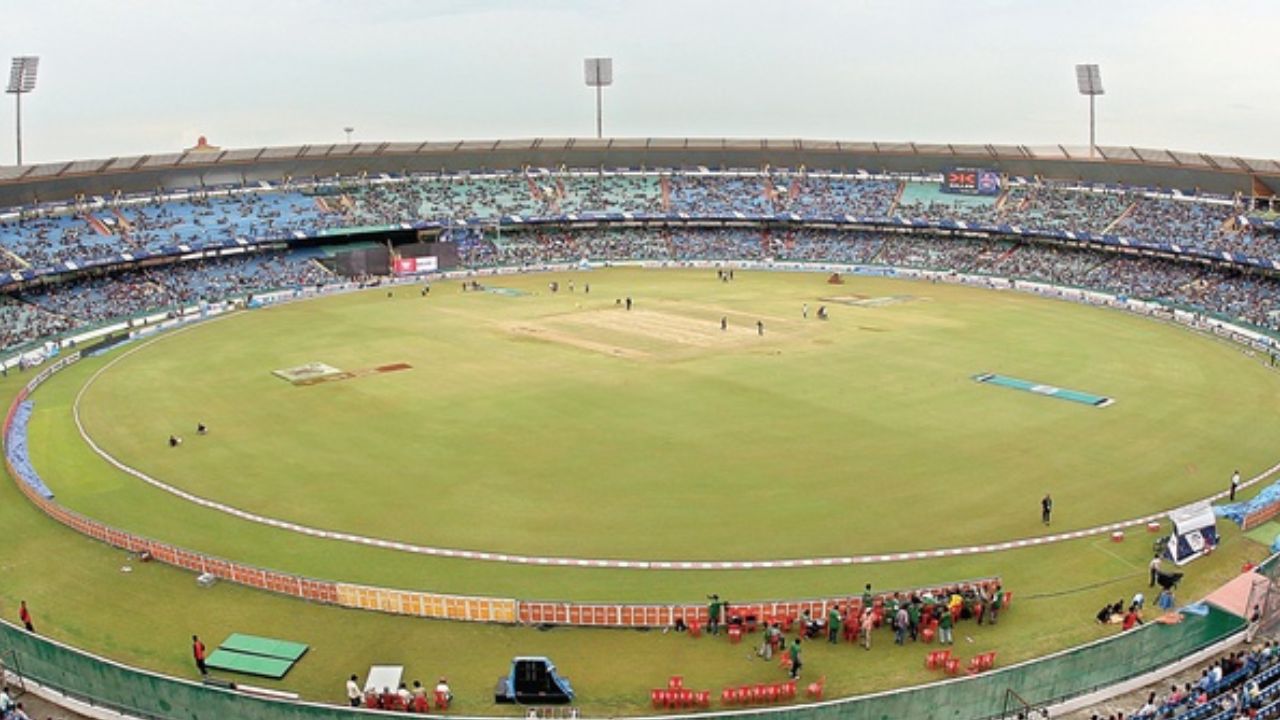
{"x": 198, "y": 651}
{"x": 1131, "y": 620}
{"x": 25, "y": 615}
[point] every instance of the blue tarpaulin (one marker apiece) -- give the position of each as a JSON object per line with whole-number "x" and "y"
{"x": 1236, "y": 512}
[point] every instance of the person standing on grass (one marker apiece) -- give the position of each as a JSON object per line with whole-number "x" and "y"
{"x": 833, "y": 625}
{"x": 1235, "y": 484}
{"x": 997, "y": 602}
{"x": 760, "y": 327}
{"x": 198, "y": 652}
{"x": 794, "y": 653}
{"x": 944, "y": 628}
{"x": 25, "y": 616}
{"x": 713, "y": 615}
{"x": 1154, "y": 567}
{"x": 868, "y": 621}
{"x": 1046, "y": 509}
{"x": 353, "y": 691}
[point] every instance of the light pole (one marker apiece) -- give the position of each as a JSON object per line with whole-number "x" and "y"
{"x": 22, "y": 80}
{"x": 599, "y": 73}
{"x": 348, "y": 130}
{"x": 1089, "y": 82}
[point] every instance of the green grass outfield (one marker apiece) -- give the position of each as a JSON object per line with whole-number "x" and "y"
{"x": 862, "y": 434}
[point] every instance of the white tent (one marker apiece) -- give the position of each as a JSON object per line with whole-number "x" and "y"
{"x": 1195, "y": 532}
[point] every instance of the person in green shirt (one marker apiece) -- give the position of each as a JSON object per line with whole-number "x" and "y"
{"x": 713, "y": 615}
{"x": 913, "y": 612}
{"x": 997, "y": 602}
{"x": 794, "y": 653}
{"x": 833, "y": 625}
{"x": 944, "y": 628}
{"x": 866, "y": 597}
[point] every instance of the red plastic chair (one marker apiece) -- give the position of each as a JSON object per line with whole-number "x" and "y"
{"x": 727, "y": 696}
{"x": 937, "y": 659}
{"x": 675, "y": 682}
{"x": 758, "y": 693}
{"x": 772, "y": 693}
{"x": 735, "y": 633}
{"x": 789, "y": 689}
{"x": 741, "y": 694}
{"x": 685, "y": 697}
{"x": 702, "y": 698}
{"x": 695, "y": 630}
{"x": 656, "y": 697}
{"x": 815, "y": 689}
{"x": 952, "y": 666}
{"x": 927, "y": 635}
{"x": 787, "y": 622}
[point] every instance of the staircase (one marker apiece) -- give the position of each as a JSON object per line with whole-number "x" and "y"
{"x": 97, "y": 225}
{"x": 897, "y": 198}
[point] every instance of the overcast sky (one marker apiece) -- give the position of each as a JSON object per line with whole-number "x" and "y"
{"x": 123, "y": 77}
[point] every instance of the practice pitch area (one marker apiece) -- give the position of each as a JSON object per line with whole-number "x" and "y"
{"x": 713, "y": 420}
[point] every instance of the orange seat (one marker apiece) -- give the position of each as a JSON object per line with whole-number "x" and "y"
{"x": 815, "y": 689}
{"x": 735, "y": 633}
{"x": 786, "y": 623}
{"x": 695, "y": 630}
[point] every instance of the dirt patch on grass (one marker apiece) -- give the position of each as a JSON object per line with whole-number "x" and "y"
{"x": 642, "y": 334}
{"x": 548, "y": 334}
{"x": 664, "y": 327}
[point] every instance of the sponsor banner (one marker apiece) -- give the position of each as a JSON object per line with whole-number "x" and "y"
{"x": 416, "y": 265}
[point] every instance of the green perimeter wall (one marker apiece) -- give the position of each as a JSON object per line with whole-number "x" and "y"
{"x": 1067, "y": 674}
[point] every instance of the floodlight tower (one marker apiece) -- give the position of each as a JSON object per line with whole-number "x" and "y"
{"x": 348, "y": 130}
{"x": 22, "y": 80}
{"x": 599, "y": 72}
{"x": 1089, "y": 82}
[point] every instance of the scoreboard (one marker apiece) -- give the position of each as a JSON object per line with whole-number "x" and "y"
{"x": 971, "y": 181}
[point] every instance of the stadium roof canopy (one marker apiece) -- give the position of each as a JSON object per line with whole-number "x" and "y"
{"x": 204, "y": 167}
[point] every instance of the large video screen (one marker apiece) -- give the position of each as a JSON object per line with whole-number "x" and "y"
{"x": 971, "y": 181}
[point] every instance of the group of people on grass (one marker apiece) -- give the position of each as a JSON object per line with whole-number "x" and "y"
{"x": 909, "y": 615}
{"x": 401, "y": 699}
